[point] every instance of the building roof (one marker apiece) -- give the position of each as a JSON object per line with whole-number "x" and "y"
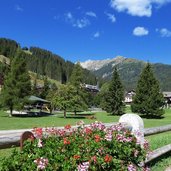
{"x": 38, "y": 99}
{"x": 167, "y": 94}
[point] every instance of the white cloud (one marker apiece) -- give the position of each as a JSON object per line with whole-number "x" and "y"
{"x": 18, "y": 8}
{"x": 137, "y": 7}
{"x": 91, "y": 14}
{"x": 79, "y": 23}
{"x": 96, "y": 35}
{"x": 69, "y": 16}
{"x": 140, "y": 31}
{"x": 164, "y": 32}
{"x": 111, "y": 17}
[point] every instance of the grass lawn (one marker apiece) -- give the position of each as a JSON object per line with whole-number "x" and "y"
{"x": 57, "y": 119}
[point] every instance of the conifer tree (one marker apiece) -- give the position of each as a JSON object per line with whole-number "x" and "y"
{"x": 45, "y": 89}
{"x": 115, "y": 96}
{"x": 148, "y": 99}
{"x": 76, "y": 80}
{"x": 17, "y": 85}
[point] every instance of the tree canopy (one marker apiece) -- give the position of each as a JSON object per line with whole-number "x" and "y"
{"x": 114, "y": 96}
{"x": 17, "y": 85}
{"x": 148, "y": 99}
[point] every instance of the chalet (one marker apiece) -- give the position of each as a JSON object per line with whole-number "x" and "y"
{"x": 91, "y": 88}
{"x": 129, "y": 96}
{"x": 167, "y": 97}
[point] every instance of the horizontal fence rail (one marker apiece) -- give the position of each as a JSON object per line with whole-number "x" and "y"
{"x": 157, "y": 130}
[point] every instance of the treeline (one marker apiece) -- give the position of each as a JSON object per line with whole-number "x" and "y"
{"x": 42, "y": 62}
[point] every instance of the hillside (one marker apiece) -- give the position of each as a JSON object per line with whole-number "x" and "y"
{"x": 129, "y": 70}
{"x": 40, "y": 61}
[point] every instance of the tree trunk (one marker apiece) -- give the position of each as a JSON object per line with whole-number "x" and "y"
{"x": 64, "y": 113}
{"x": 10, "y": 114}
{"x": 75, "y": 112}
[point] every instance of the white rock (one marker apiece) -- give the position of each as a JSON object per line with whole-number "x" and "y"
{"x": 137, "y": 125}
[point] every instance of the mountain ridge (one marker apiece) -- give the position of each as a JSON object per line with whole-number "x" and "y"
{"x": 130, "y": 70}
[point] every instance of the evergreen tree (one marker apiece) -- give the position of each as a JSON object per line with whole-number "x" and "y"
{"x": 34, "y": 88}
{"x": 45, "y": 89}
{"x": 148, "y": 99}
{"x": 115, "y": 96}
{"x": 17, "y": 85}
{"x": 76, "y": 80}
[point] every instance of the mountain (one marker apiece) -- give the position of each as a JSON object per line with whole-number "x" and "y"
{"x": 129, "y": 70}
{"x": 94, "y": 65}
{"x": 40, "y": 61}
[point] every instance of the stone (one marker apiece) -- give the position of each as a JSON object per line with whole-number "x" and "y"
{"x": 136, "y": 125}
{"x": 25, "y": 136}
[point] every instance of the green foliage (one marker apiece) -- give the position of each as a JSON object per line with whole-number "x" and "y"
{"x": 64, "y": 98}
{"x": 8, "y": 47}
{"x": 76, "y": 78}
{"x": 46, "y": 88}
{"x": 114, "y": 96}
{"x": 43, "y": 62}
{"x": 87, "y": 148}
{"x": 148, "y": 99}
{"x": 81, "y": 96}
{"x": 17, "y": 85}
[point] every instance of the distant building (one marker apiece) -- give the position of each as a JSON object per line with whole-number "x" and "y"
{"x": 167, "y": 97}
{"x": 129, "y": 96}
{"x": 91, "y": 88}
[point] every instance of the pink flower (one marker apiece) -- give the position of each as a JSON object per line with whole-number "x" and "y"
{"x": 131, "y": 167}
{"x": 94, "y": 158}
{"x": 41, "y": 163}
{"x": 40, "y": 143}
{"x": 146, "y": 145}
{"x": 84, "y": 166}
{"x": 136, "y": 153}
{"x": 108, "y": 137}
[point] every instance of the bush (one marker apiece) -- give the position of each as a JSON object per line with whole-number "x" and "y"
{"x": 94, "y": 148}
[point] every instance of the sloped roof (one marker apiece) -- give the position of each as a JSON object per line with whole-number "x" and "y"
{"x": 34, "y": 98}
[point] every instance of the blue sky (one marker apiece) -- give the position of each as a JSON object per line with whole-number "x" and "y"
{"x": 79, "y": 30}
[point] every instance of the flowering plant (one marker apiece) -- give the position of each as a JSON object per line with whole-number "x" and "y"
{"x": 85, "y": 148}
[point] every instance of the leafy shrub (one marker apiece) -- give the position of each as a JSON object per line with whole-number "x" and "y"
{"x": 86, "y": 148}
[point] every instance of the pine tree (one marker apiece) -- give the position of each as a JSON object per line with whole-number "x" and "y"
{"x": 148, "y": 99}
{"x": 115, "y": 96}
{"x": 46, "y": 88}
{"x": 17, "y": 85}
{"x": 76, "y": 80}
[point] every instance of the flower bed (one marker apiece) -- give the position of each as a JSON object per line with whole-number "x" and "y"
{"x": 94, "y": 148}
